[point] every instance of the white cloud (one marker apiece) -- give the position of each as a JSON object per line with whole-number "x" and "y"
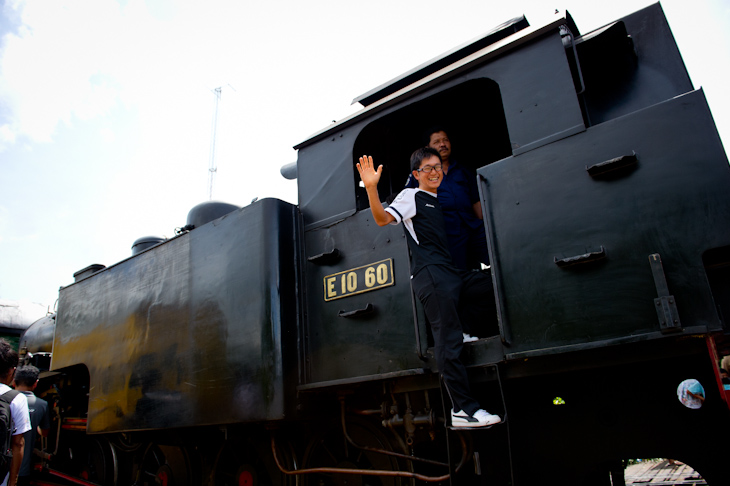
{"x": 76, "y": 59}
{"x": 46, "y": 72}
{"x": 7, "y": 134}
{"x": 3, "y": 222}
{"x": 107, "y": 135}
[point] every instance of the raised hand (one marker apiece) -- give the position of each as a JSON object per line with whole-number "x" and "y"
{"x": 369, "y": 176}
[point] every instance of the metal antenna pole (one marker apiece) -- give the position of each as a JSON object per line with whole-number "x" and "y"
{"x": 212, "y": 169}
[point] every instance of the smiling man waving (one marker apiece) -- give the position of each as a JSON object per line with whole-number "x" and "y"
{"x": 437, "y": 283}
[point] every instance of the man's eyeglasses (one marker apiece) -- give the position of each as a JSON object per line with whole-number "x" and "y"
{"x": 429, "y": 168}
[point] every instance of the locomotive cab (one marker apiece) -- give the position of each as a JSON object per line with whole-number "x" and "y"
{"x": 472, "y": 112}
{"x": 497, "y": 99}
{"x": 603, "y": 183}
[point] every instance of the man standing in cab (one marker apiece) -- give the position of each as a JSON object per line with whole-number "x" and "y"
{"x": 438, "y": 284}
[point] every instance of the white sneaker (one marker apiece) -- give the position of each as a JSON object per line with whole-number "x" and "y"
{"x": 468, "y": 338}
{"x": 481, "y": 418}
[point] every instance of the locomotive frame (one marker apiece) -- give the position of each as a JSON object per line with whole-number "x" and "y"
{"x": 279, "y": 344}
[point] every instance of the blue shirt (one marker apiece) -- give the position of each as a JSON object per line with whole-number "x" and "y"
{"x": 457, "y": 194}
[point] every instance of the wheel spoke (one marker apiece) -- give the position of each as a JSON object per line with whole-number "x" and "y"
{"x": 326, "y": 449}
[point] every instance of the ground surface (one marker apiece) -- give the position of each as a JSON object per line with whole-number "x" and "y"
{"x": 662, "y": 473}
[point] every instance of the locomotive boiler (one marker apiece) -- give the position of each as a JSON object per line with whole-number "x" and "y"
{"x": 282, "y": 344}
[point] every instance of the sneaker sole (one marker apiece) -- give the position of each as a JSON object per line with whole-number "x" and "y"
{"x": 472, "y": 425}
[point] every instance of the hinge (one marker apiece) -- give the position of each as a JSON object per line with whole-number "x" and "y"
{"x": 665, "y": 304}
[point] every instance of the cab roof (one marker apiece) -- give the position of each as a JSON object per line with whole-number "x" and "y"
{"x": 504, "y": 37}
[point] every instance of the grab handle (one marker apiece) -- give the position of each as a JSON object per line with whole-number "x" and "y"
{"x": 326, "y": 258}
{"x": 610, "y": 167}
{"x": 369, "y": 309}
{"x": 589, "y": 257}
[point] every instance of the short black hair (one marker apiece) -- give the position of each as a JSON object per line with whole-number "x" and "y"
{"x": 422, "y": 153}
{"x": 27, "y": 375}
{"x": 8, "y": 357}
{"x": 431, "y": 130}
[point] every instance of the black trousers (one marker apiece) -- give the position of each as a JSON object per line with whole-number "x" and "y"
{"x": 441, "y": 289}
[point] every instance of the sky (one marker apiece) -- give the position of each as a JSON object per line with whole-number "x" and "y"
{"x": 107, "y": 106}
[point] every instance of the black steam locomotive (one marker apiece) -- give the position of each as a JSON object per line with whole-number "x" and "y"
{"x": 277, "y": 344}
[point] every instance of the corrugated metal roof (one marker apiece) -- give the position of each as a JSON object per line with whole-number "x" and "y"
{"x": 16, "y": 314}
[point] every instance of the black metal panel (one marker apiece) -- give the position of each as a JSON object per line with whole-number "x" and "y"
{"x": 544, "y": 207}
{"x": 325, "y": 178}
{"x": 380, "y": 341}
{"x": 630, "y": 64}
{"x": 540, "y": 103}
{"x": 198, "y": 330}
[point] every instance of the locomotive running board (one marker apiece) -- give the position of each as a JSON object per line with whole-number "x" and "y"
{"x": 359, "y": 379}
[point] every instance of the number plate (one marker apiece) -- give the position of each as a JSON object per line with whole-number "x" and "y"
{"x": 369, "y": 277}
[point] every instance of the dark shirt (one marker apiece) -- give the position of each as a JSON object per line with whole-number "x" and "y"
{"x": 38, "y": 409}
{"x": 420, "y": 212}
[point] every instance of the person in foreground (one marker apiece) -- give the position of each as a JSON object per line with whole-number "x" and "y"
{"x": 18, "y": 410}
{"x": 438, "y": 284}
{"x": 26, "y": 380}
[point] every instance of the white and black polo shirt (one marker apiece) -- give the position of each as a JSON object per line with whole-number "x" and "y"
{"x": 420, "y": 213}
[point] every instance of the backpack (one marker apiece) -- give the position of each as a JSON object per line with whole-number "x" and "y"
{"x": 6, "y": 431}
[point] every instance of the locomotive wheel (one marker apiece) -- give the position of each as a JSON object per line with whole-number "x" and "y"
{"x": 164, "y": 466}
{"x": 250, "y": 463}
{"x": 331, "y": 449}
{"x": 126, "y": 442}
{"x": 99, "y": 462}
